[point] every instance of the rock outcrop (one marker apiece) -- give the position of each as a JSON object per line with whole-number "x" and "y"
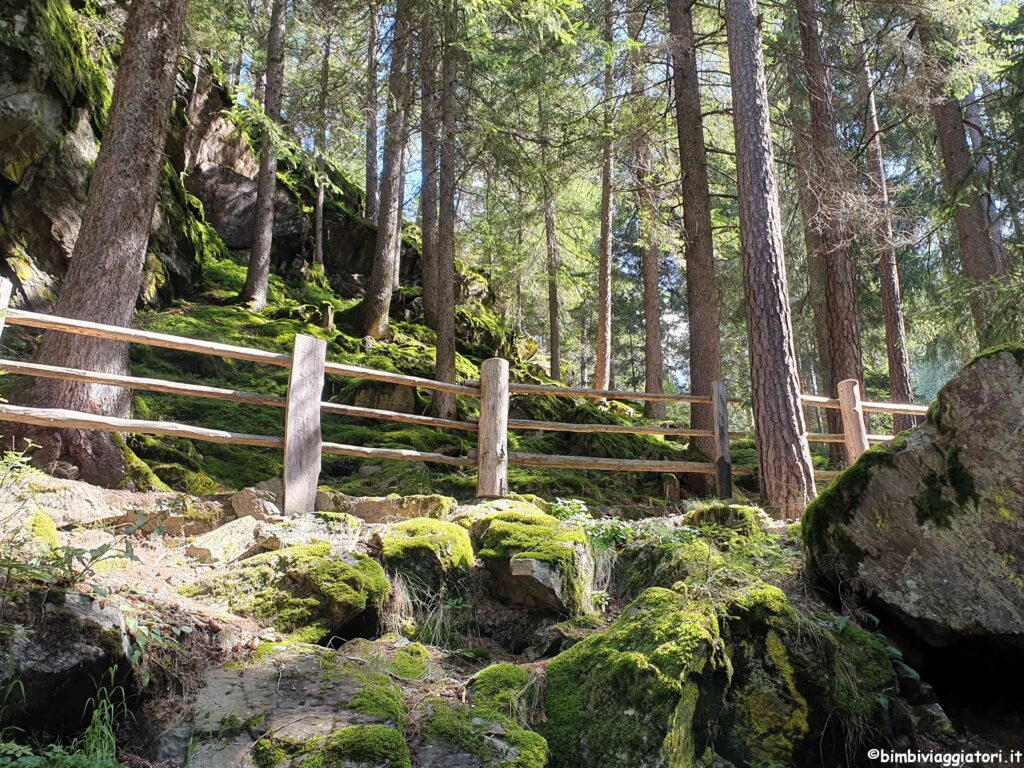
{"x": 929, "y": 530}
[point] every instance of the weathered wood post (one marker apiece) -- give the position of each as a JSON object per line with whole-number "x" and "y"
{"x": 723, "y": 454}
{"x": 492, "y": 439}
{"x": 302, "y": 440}
{"x": 854, "y": 432}
{"x": 5, "y": 300}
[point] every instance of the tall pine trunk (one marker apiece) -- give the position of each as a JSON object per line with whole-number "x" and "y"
{"x": 784, "y": 461}
{"x": 102, "y": 281}
{"x": 377, "y": 302}
{"x": 370, "y": 110}
{"x": 983, "y": 259}
{"x": 900, "y": 388}
{"x": 554, "y": 324}
{"x": 647, "y": 209}
{"x": 321, "y": 148}
{"x": 701, "y": 277}
{"x": 602, "y": 373}
{"x": 829, "y": 183}
{"x": 444, "y": 363}
{"x": 429, "y": 131}
{"x": 258, "y": 277}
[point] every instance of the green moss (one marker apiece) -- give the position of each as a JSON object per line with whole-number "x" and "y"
{"x": 737, "y": 518}
{"x": 139, "y": 476}
{"x": 303, "y": 590}
{"x": 645, "y": 563}
{"x": 824, "y": 519}
{"x": 529, "y": 534}
{"x": 959, "y": 478}
{"x": 42, "y": 530}
{"x": 770, "y": 719}
{"x": 77, "y": 66}
{"x": 380, "y": 697}
{"x": 378, "y": 745}
{"x": 468, "y": 727}
{"x": 410, "y": 662}
{"x": 499, "y": 687}
{"x": 642, "y": 692}
{"x": 931, "y": 505}
{"x": 1015, "y": 349}
{"x": 432, "y": 550}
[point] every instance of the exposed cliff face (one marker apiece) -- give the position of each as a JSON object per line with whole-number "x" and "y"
{"x": 55, "y": 86}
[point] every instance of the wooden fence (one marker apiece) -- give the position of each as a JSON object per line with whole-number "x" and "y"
{"x": 302, "y": 441}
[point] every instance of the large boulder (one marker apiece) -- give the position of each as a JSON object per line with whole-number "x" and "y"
{"x": 298, "y": 705}
{"x": 53, "y": 659}
{"x": 428, "y": 553}
{"x": 309, "y": 591}
{"x": 930, "y": 529}
{"x": 535, "y": 560}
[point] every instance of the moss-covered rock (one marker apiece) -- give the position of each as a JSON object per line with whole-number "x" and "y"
{"x": 427, "y": 552}
{"x": 931, "y": 527}
{"x": 307, "y": 591}
{"x": 535, "y": 559}
{"x": 645, "y": 692}
{"x": 735, "y": 518}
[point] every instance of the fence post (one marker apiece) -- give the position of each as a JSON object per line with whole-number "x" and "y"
{"x": 302, "y": 440}
{"x": 854, "y": 431}
{"x": 492, "y": 439}
{"x": 723, "y": 454}
{"x": 5, "y": 300}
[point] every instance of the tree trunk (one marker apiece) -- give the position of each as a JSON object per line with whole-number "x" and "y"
{"x": 701, "y": 277}
{"x": 370, "y": 108}
{"x": 784, "y": 461}
{"x": 428, "y": 162}
{"x": 602, "y": 374}
{"x": 829, "y": 183}
{"x": 102, "y": 281}
{"x": 551, "y": 239}
{"x": 975, "y": 121}
{"x": 444, "y": 365}
{"x": 258, "y": 277}
{"x": 377, "y": 302}
{"x": 321, "y": 147}
{"x": 982, "y": 259}
{"x": 900, "y": 389}
{"x": 397, "y": 259}
{"x": 816, "y": 267}
{"x": 643, "y": 171}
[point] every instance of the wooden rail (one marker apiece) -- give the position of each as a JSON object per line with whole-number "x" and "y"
{"x": 303, "y": 445}
{"x": 852, "y": 408}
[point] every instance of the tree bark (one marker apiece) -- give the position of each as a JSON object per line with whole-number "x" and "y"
{"x": 370, "y": 108}
{"x": 258, "y": 277}
{"x": 602, "y": 373}
{"x": 551, "y": 240}
{"x": 428, "y": 161}
{"x": 982, "y": 259}
{"x": 102, "y": 281}
{"x": 643, "y": 171}
{"x": 784, "y": 461}
{"x": 829, "y": 182}
{"x": 701, "y": 277}
{"x": 397, "y": 258}
{"x": 377, "y": 301}
{"x": 321, "y": 147}
{"x": 975, "y": 121}
{"x": 444, "y": 402}
{"x": 900, "y": 388}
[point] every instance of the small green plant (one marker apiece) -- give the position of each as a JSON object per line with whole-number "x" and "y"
{"x": 148, "y": 642}
{"x": 564, "y": 509}
{"x": 606, "y": 532}
{"x": 95, "y": 748}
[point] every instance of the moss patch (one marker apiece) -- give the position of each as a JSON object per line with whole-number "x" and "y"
{"x": 431, "y": 551}
{"x": 529, "y": 534}
{"x": 304, "y": 590}
{"x": 641, "y": 693}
